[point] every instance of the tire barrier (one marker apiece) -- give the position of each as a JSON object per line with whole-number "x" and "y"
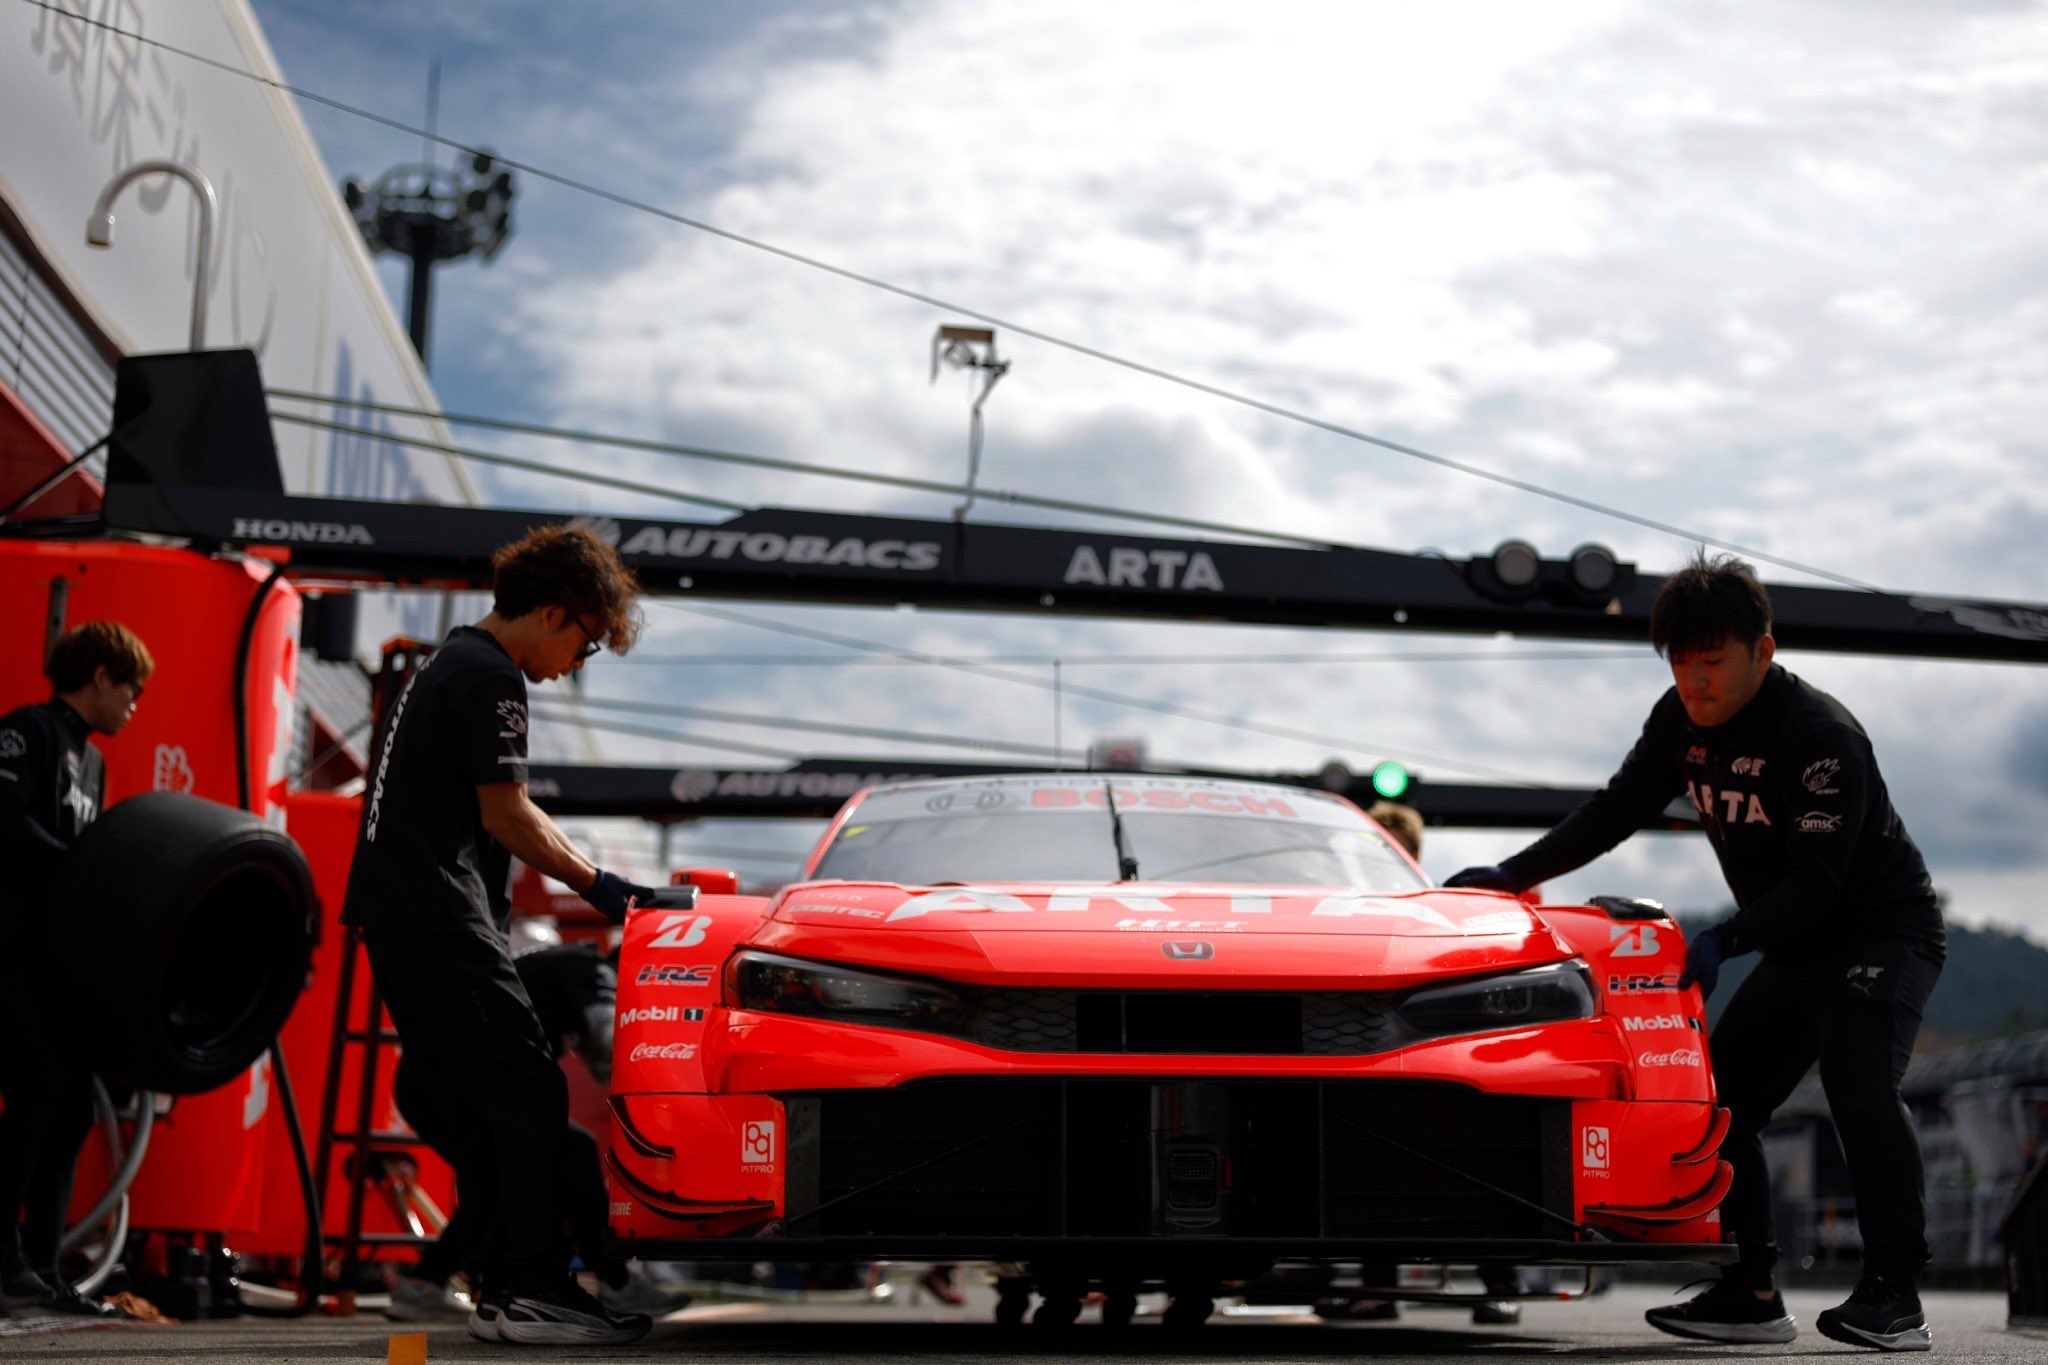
{"x": 182, "y": 936}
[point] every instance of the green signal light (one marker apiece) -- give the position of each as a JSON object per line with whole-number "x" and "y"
{"x": 1390, "y": 780}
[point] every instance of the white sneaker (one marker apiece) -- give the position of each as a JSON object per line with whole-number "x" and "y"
{"x": 567, "y": 1316}
{"x": 642, "y": 1293}
{"x": 414, "y": 1300}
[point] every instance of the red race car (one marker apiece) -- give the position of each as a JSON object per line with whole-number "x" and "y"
{"x": 1138, "y": 1032}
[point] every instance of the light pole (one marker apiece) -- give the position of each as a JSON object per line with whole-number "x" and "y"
{"x": 99, "y": 228}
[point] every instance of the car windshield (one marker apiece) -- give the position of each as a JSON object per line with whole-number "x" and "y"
{"x": 1210, "y": 834}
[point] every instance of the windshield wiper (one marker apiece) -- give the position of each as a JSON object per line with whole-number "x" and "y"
{"x": 1126, "y": 861}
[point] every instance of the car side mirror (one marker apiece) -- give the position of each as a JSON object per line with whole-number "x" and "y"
{"x": 710, "y": 881}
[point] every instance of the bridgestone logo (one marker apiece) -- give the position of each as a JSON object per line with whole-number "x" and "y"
{"x": 766, "y": 547}
{"x": 315, "y": 532}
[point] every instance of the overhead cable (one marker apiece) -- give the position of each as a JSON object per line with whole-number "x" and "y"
{"x": 946, "y": 305}
{"x": 572, "y": 717}
{"x": 530, "y": 466}
{"x": 771, "y": 462}
{"x": 1253, "y": 657}
{"x": 819, "y": 726}
{"x": 1354, "y": 746}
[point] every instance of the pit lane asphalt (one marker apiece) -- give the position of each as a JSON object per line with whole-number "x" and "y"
{"x": 1608, "y": 1328}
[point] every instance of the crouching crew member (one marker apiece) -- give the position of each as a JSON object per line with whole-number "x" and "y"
{"x": 446, "y": 804}
{"x": 51, "y": 785}
{"x": 1829, "y": 888}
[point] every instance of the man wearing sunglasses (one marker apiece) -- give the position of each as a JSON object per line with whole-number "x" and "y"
{"x": 446, "y": 809}
{"x": 51, "y": 786}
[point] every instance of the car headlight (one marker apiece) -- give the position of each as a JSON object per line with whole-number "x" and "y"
{"x": 789, "y": 985}
{"x": 1540, "y": 995}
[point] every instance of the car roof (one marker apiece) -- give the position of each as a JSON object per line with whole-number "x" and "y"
{"x": 1135, "y": 791}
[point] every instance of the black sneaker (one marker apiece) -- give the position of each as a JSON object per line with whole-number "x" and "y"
{"x": 1882, "y": 1313}
{"x": 566, "y": 1316}
{"x": 71, "y": 1303}
{"x": 21, "y": 1287}
{"x": 1727, "y": 1312}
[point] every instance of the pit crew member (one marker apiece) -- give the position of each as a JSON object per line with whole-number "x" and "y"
{"x": 446, "y": 804}
{"x": 1831, "y": 890}
{"x": 51, "y": 786}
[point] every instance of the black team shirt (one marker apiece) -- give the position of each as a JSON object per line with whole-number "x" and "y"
{"x": 51, "y": 785}
{"x": 423, "y": 859}
{"x": 1791, "y": 799}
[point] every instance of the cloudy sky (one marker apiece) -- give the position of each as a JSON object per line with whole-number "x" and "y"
{"x": 1770, "y": 273}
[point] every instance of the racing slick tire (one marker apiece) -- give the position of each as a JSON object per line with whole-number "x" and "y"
{"x": 183, "y": 929}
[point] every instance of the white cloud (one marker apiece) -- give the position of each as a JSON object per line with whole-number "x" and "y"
{"x": 1771, "y": 273}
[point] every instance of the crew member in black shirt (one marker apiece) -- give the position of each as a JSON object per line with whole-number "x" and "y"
{"x": 51, "y": 787}
{"x": 445, "y": 805}
{"x": 1833, "y": 893}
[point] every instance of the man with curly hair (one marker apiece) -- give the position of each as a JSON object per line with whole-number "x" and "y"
{"x": 446, "y": 807}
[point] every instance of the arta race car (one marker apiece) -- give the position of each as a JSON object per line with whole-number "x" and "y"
{"x": 1141, "y": 1032}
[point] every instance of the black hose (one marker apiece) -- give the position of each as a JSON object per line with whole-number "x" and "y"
{"x": 310, "y": 1271}
{"x": 242, "y": 688}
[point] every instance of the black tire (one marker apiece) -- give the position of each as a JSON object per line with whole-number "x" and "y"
{"x": 1118, "y": 1308}
{"x": 180, "y": 937}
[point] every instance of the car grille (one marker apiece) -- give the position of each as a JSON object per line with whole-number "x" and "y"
{"x": 1316, "y": 1024}
{"x": 1039, "y": 1157}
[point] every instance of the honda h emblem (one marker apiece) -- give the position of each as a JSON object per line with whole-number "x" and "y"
{"x": 1188, "y": 952}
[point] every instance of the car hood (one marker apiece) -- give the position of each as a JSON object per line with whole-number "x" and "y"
{"x": 1241, "y": 937}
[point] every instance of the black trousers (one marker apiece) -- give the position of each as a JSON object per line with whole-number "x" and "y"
{"x": 579, "y": 1184}
{"x": 1858, "y": 1020}
{"x": 49, "y": 1113}
{"x": 470, "y": 1035}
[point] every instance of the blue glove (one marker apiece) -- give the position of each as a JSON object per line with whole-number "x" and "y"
{"x": 1703, "y": 963}
{"x": 610, "y": 893}
{"x": 1483, "y": 879}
